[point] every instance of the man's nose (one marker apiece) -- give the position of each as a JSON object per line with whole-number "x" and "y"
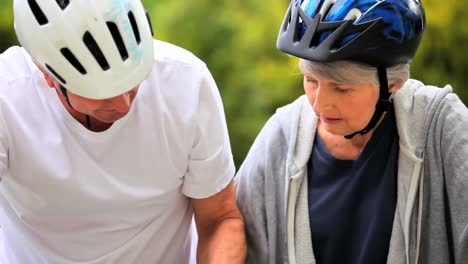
{"x": 122, "y": 102}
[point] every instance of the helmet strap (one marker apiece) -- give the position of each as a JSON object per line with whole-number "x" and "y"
{"x": 65, "y": 94}
{"x": 88, "y": 121}
{"x": 383, "y": 104}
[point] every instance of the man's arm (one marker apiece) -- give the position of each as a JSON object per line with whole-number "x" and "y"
{"x": 221, "y": 237}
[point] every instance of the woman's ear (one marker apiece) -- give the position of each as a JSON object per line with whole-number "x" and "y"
{"x": 395, "y": 87}
{"x": 47, "y": 78}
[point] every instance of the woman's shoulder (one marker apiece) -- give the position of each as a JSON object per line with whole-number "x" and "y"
{"x": 420, "y": 107}
{"x": 416, "y": 92}
{"x": 416, "y": 98}
{"x": 281, "y": 127}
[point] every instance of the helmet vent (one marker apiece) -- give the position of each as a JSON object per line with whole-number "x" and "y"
{"x": 63, "y": 3}
{"x": 149, "y": 23}
{"x": 326, "y": 7}
{"x": 114, "y": 30}
{"x": 57, "y": 76}
{"x": 73, "y": 60}
{"x": 354, "y": 14}
{"x": 134, "y": 26}
{"x": 93, "y": 47}
{"x": 38, "y": 14}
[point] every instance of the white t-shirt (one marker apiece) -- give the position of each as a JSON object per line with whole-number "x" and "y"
{"x": 70, "y": 195}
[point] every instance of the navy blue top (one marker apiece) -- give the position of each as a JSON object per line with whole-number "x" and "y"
{"x": 352, "y": 202}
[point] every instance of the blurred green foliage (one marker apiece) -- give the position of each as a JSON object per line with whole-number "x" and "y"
{"x": 237, "y": 41}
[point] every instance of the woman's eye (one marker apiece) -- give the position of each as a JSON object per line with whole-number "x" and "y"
{"x": 342, "y": 90}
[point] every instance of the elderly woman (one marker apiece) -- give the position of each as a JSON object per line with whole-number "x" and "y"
{"x": 369, "y": 166}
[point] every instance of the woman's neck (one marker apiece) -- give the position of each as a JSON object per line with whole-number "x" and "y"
{"x": 346, "y": 149}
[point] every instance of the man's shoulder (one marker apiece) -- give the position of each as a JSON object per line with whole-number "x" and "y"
{"x": 16, "y": 72}
{"x": 167, "y": 52}
{"x": 14, "y": 63}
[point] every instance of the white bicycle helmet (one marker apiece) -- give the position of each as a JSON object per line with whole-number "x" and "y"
{"x": 95, "y": 49}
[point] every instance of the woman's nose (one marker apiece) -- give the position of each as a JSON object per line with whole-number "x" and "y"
{"x": 321, "y": 100}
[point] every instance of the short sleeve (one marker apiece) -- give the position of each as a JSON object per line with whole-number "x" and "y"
{"x": 3, "y": 145}
{"x": 211, "y": 166}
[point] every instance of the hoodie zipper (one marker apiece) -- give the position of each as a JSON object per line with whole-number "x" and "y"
{"x": 413, "y": 190}
{"x": 292, "y": 192}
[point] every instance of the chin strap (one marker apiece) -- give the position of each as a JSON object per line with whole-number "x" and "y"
{"x": 383, "y": 105}
{"x": 65, "y": 93}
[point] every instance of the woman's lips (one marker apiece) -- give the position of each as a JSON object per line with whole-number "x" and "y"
{"x": 330, "y": 120}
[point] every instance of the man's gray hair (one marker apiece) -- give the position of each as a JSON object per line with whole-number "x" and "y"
{"x": 350, "y": 72}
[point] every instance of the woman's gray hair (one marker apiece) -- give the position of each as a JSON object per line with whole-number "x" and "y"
{"x": 350, "y": 72}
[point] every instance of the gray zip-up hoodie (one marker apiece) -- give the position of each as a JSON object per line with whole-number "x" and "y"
{"x": 431, "y": 217}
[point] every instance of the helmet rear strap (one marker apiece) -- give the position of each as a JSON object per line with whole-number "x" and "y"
{"x": 383, "y": 104}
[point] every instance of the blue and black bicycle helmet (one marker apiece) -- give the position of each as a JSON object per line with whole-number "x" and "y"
{"x": 376, "y": 32}
{"x": 381, "y": 33}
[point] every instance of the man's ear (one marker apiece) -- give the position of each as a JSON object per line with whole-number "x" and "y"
{"x": 48, "y": 79}
{"x": 395, "y": 87}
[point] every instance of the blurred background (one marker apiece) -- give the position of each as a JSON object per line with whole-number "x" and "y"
{"x": 237, "y": 40}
